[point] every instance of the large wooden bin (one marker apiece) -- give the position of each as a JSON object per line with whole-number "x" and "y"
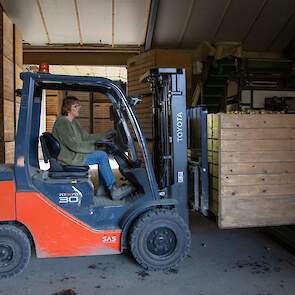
{"x": 252, "y": 169}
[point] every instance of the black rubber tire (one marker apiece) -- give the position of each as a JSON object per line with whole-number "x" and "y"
{"x": 154, "y": 227}
{"x": 15, "y": 251}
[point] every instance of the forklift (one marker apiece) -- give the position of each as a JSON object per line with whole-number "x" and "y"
{"x": 52, "y": 212}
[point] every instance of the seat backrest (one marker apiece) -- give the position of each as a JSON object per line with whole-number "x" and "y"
{"x": 50, "y": 146}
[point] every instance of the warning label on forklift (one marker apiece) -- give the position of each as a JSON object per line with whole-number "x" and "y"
{"x": 180, "y": 176}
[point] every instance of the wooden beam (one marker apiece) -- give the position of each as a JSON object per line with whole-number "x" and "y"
{"x": 78, "y": 58}
{"x": 151, "y": 24}
{"x": 43, "y": 21}
{"x": 225, "y": 11}
{"x": 257, "y": 16}
{"x": 78, "y": 22}
{"x": 186, "y": 22}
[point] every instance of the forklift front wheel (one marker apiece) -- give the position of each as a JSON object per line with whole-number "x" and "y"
{"x": 15, "y": 250}
{"x": 160, "y": 240}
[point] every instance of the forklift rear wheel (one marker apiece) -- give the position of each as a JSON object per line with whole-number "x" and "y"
{"x": 160, "y": 240}
{"x": 15, "y": 251}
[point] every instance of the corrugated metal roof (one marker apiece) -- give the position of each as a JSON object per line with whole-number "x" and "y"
{"x": 266, "y": 25}
{"x": 80, "y": 21}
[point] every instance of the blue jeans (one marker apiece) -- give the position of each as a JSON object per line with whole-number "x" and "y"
{"x": 106, "y": 176}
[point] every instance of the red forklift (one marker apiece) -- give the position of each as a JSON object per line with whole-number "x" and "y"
{"x": 52, "y": 212}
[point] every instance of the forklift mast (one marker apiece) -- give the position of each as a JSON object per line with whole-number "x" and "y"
{"x": 177, "y": 130}
{"x": 170, "y": 134}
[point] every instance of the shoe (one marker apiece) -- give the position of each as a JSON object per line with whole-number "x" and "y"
{"x": 119, "y": 192}
{"x": 101, "y": 191}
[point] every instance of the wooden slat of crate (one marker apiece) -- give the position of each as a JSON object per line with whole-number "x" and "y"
{"x": 257, "y": 168}
{"x": 53, "y": 105}
{"x": 84, "y": 109}
{"x": 8, "y": 80}
{"x": 240, "y": 121}
{"x": 100, "y": 97}
{"x": 257, "y": 145}
{"x": 7, "y": 37}
{"x": 85, "y": 123}
{"x": 7, "y": 152}
{"x": 51, "y": 92}
{"x": 251, "y": 191}
{"x": 257, "y": 179}
{"x": 273, "y": 210}
{"x": 50, "y": 122}
{"x": 102, "y": 125}
{"x": 258, "y": 134}
{"x": 257, "y": 157}
{"x": 7, "y": 119}
{"x": 101, "y": 110}
{"x": 81, "y": 95}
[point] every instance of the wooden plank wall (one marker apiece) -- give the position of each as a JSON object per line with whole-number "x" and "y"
{"x": 256, "y": 172}
{"x": 11, "y": 62}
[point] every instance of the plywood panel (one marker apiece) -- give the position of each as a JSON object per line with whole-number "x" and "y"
{"x": 8, "y": 79}
{"x": 7, "y": 38}
{"x": 244, "y": 212}
{"x": 18, "y": 47}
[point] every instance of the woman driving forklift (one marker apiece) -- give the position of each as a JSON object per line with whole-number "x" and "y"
{"x": 78, "y": 148}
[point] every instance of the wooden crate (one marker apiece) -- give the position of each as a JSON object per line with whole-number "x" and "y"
{"x": 81, "y": 95}
{"x": 102, "y": 125}
{"x": 85, "y": 123}
{"x": 7, "y": 152}
{"x": 85, "y": 109}
{"x": 53, "y": 105}
{"x": 101, "y": 110}
{"x": 50, "y": 122}
{"x": 253, "y": 173}
{"x": 100, "y": 97}
{"x": 139, "y": 65}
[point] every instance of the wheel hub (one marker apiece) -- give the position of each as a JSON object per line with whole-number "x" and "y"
{"x": 161, "y": 241}
{"x": 6, "y": 255}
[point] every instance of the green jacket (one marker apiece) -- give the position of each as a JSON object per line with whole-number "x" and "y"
{"x": 74, "y": 141}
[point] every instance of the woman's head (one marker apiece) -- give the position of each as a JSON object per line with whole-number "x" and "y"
{"x": 70, "y": 105}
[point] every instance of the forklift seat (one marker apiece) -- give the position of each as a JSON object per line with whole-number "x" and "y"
{"x": 51, "y": 149}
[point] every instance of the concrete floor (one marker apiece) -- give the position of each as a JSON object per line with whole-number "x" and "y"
{"x": 225, "y": 262}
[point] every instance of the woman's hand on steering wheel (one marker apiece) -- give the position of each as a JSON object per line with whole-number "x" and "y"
{"x": 109, "y": 135}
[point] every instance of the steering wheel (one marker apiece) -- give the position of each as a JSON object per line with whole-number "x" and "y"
{"x": 112, "y": 148}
